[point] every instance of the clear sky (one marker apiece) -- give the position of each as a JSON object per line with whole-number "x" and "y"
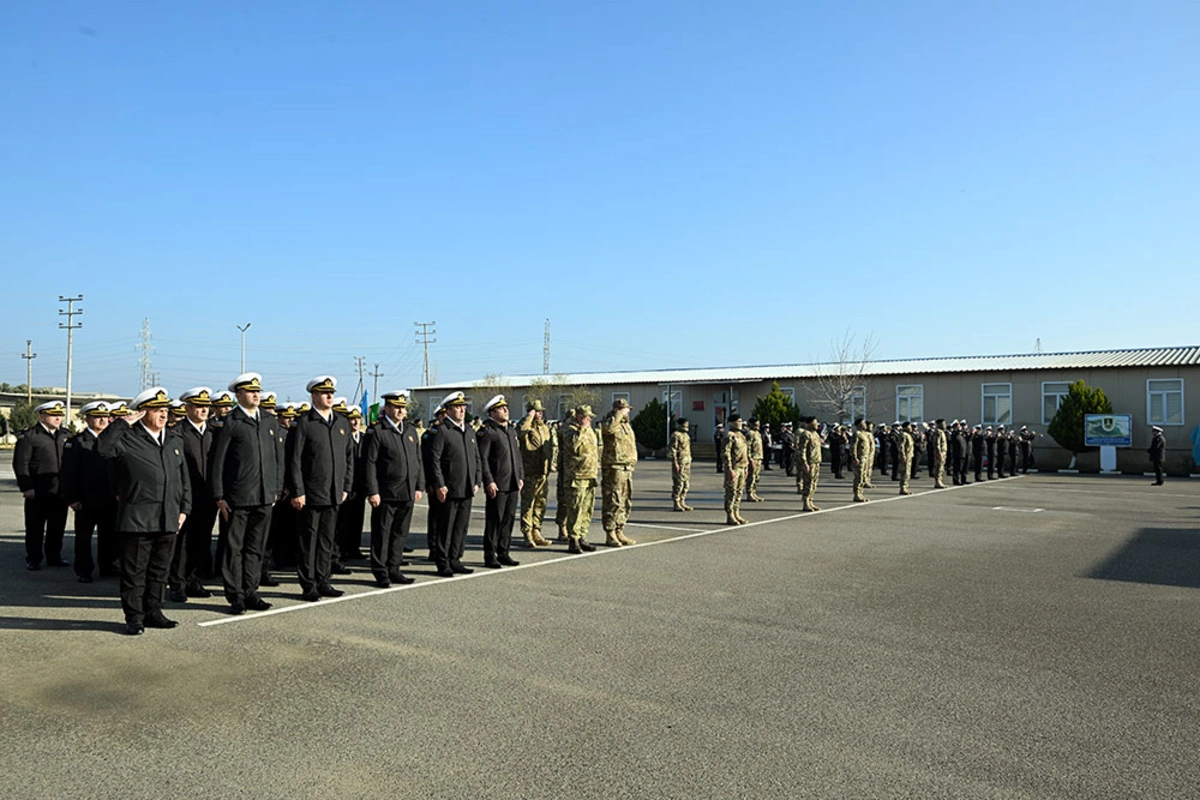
{"x": 671, "y": 184}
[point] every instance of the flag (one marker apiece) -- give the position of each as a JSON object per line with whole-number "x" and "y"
{"x": 365, "y": 407}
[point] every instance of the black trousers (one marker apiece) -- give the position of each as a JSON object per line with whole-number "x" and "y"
{"x": 281, "y": 541}
{"x": 389, "y": 533}
{"x": 246, "y": 537}
{"x": 977, "y": 463}
{"x": 103, "y": 522}
{"x": 450, "y": 521}
{"x": 1158, "y": 471}
{"x": 45, "y": 524}
{"x": 314, "y": 546}
{"x": 499, "y": 514}
{"x": 192, "y": 559}
{"x": 145, "y": 560}
{"x": 350, "y": 525}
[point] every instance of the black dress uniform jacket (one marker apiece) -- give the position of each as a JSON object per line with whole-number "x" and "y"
{"x": 197, "y": 448}
{"x": 86, "y": 476}
{"x": 393, "y": 468}
{"x": 500, "y": 455}
{"x": 247, "y": 469}
{"x": 453, "y": 460}
{"x": 37, "y": 460}
{"x": 320, "y": 459}
{"x": 152, "y": 479}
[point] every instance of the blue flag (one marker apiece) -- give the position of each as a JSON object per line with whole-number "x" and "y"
{"x": 366, "y": 408}
{"x": 1196, "y": 444}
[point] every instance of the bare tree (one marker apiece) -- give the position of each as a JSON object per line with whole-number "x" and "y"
{"x": 842, "y": 379}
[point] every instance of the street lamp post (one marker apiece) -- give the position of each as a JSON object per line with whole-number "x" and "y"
{"x": 243, "y": 329}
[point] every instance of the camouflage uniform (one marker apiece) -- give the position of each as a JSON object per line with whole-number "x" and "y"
{"x": 937, "y": 453}
{"x": 580, "y": 461}
{"x": 864, "y": 443}
{"x": 904, "y": 457}
{"x": 537, "y": 456}
{"x": 618, "y": 456}
{"x": 561, "y": 490}
{"x": 736, "y": 455}
{"x": 681, "y": 466}
{"x": 754, "y": 445}
{"x": 810, "y": 466}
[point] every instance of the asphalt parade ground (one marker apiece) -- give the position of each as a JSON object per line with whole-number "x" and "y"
{"x": 1035, "y": 637}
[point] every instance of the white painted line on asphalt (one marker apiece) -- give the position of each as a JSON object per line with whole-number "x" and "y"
{"x": 1023, "y": 510}
{"x": 658, "y": 527}
{"x": 600, "y": 551}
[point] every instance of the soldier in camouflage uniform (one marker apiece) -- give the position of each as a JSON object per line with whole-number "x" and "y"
{"x": 937, "y": 453}
{"x": 580, "y": 463}
{"x": 860, "y": 457}
{"x": 618, "y": 455}
{"x": 754, "y": 444}
{"x": 872, "y": 451}
{"x": 809, "y": 462}
{"x": 681, "y": 465}
{"x": 736, "y": 457}
{"x": 537, "y": 457}
{"x": 904, "y": 455}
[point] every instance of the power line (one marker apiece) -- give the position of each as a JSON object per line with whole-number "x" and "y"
{"x": 360, "y": 365}
{"x": 70, "y": 327}
{"x": 546, "y": 349}
{"x": 147, "y": 377}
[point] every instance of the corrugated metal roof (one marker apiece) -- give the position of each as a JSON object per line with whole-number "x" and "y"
{"x": 1093, "y": 359}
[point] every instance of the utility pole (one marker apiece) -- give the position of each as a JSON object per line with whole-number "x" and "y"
{"x": 546, "y": 349}
{"x": 147, "y": 377}
{"x": 424, "y": 333}
{"x": 243, "y": 329}
{"x": 29, "y": 357}
{"x": 360, "y": 365}
{"x": 70, "y": 329}
{"x": 376, "y": 375}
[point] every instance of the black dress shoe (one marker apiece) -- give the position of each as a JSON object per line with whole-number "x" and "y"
{"x": 267, "y": 580}
{"x": 329, "y": 591}
{"x": 404, "y": 562}
{"x": 84, "y": 579}
{"x": 492, "y": 564}
{"x": 159, "y": 621}
{"x": 459, "y": 569}
{"x": 310, "y": 597}
{"x": 256, "y": 603}
{"x": 445, "y": 572}
{"x": 401, "y": 578}
{"x": 32, "y": 566}
{"x": 237, "y": 607}
{"x": 339, "y": 569}
{"x": 58, "y": 562}
{"x": 196, "y": 590}
{"x": 383, "y": 583}
{"x": 508, "y": 561}
{"x": 135, "y": 628}
{"x": 177, "y": 595}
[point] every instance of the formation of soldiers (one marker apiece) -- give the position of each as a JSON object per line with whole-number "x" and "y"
{"x": 288, "y": 486}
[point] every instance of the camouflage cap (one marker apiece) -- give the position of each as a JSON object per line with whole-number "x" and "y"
{"x": 584, "y": 411}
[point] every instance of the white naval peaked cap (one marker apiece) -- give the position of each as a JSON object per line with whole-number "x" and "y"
{"x": 321, "y": 383}
{"x": 398, "y": 398}
{"x": 154, "y": 397}
{"x": 250, "y": 381}
{"x": 98, "y": 406}
{"x": 197, "y": 396}
{"x": 496, "y": 402}
{"x": 224, "y": 398}
{"x": 54, "y": 408}
{"x": 454, "y": 399}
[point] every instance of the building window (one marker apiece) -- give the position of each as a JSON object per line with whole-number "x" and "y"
{"x": 857, "y": 405}
{"x": 997, "y": 404}
{"x": 1164, "y": 402}
{"x": 1053, "y": 395}
{"x": 790, "y": 391}
{"x": 674, "y": 403}
{"x": 910, "y": 403}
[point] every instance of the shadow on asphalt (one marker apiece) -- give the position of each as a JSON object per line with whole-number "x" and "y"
{"x": 1166, "y": 557}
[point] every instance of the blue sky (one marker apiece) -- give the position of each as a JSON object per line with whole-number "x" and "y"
{"x": 671, "y": 184}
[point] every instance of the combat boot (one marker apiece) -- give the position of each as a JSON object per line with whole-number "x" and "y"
{"x": 611, "y": 540}
{"x": 538, "y": 541}
{"x": 562, "y": 534}
{"x": 586, "y": 546}
{"x": 529, "y": 542}
{"x": 730, "y": 519}
{"x": 573, "y": 547}
{"x": 678, "y": 507}
{"x": 742, "y": 520}
{"x": 623, "y": 539}
{"x": 686, "y": 507}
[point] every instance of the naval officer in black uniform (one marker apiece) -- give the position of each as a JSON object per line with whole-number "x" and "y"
{"x": 454, "y": 472}
{"x": 503, "y": 477}
{"x": 393, "y": 478}
{"x": 87, "y": 486}
{"x": 37, "y": 461}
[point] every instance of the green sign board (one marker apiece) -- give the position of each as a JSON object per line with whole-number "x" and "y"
{"x": 1114, "y": 430}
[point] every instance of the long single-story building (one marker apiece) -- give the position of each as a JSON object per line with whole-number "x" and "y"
{"x": 1149, "y": 384}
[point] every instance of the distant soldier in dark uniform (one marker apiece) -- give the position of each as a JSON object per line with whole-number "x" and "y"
{"x": 503, "y": 478}
{"x": 152, "y": 481}
{"x": 1001, "y": 453}
{"x": 978, "y": 448}
{"x": 989, "y": 443}
{"x": 1027, "y": 436}
{"x": 193, "y": 547}
{"x": 87, "y": 486}
{"x": 394, "y": 479}
{"x": 918, "y": 436}
{"x": 958, "y": 453}
{"x": 453, "y": 470}
{"x": 893, "y": 445}
{"x": 787, "y": 438}
{"x": 37, "y": 461}
{"x": 837, "y": 450}
{"x": 768, "y": 444}
{"x": 1158, "y": 453}
{"x": 319, "y": 477}
{"x": 719, "y": 442}
{"x": 246, "y": 480}
{"x": 352, "y": 513}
